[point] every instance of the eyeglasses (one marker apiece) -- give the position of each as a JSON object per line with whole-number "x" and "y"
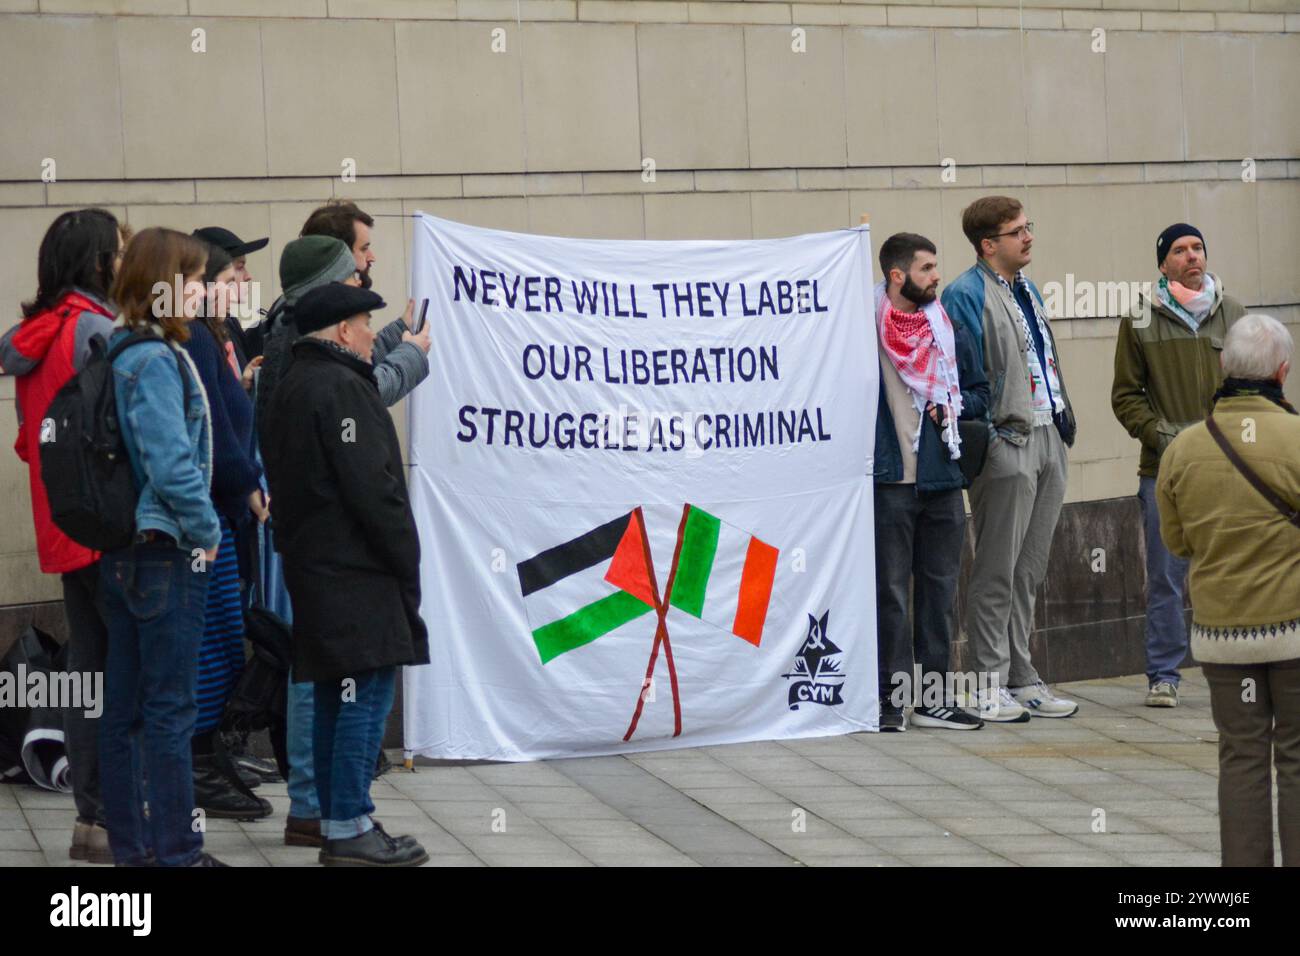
{"x": 1026, "y": 230}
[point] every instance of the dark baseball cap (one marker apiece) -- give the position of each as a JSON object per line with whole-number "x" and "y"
{"x": 227, "y": 240}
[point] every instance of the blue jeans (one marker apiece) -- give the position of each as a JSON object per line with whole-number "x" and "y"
{"x": 154, "y": 608}
{"x": 346, "y": 736}
{"x": 1166, "y": 623}
{"x": 304, "y": 802}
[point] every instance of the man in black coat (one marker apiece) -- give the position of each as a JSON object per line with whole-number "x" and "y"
{"x": 351, "y": 552}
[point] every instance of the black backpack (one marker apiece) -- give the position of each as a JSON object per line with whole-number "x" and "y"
{"x": 84, "y": 464}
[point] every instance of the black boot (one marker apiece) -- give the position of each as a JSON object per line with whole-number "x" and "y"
{"x": 221, "y": 794}
{"x": 251, "y": 768}
{"x": 372, "y": 848}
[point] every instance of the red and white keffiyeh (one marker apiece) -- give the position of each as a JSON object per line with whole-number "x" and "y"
{"x": 922, "y": 348}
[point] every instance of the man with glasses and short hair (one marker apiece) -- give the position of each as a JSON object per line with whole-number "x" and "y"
{"x": 1017, "y": 498}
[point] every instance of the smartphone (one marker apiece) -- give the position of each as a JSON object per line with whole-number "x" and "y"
{"x": 419, "y": 323}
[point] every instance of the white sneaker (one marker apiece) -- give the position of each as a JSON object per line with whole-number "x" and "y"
{"x": 1041, "y": 702}
{"x": 1000, "y": 707}
{"x": 1162, "y": 694}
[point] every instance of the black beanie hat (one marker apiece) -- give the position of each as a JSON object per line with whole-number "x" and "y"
{"x": 1172, "y": 235}
{"x": 330, "y": 304}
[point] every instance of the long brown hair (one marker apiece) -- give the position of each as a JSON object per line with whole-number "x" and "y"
{"x": 157, "y": 256}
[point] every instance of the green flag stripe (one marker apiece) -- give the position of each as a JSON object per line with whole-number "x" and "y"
{"x": 699, "y": 542}
{"x": 585, "y": 625}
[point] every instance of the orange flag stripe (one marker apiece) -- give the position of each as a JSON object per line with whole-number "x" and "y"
{"x": 755, "y": 591}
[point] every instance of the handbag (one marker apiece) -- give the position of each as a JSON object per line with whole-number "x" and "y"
{"x": 974, "y": 447}
{"x": 1291, "y": 514}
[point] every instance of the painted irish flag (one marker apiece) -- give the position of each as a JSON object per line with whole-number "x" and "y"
{"x": 723, "y": 575}
{"x": 585, "y": 588}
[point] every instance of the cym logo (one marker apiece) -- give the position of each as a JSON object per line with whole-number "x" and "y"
{"x": 817, "y": 661}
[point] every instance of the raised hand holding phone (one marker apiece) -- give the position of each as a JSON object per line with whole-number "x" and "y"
{"x": 420, "y": 336}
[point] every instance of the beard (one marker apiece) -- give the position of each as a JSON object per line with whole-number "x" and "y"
{"x": 366, "y": 281}
{"x": 914, "y": 293}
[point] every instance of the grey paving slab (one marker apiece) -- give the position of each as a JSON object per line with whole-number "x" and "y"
{"x": 972, "y": 806}
{"x": 1132, "y": 842}
{"x": 670, "y": 815}
{"x": 946, "y": 859}
{"x": 906, "y": 846}
{"x": 22, "y": 858}
{"x": 540, "y": 860}
{"x": 568, "y": 829}
{"x": 712, "y": 796}
{"x": 747, "y": 859}
{"x": 1007, "y": 795}
{"x": 891, "y": 826}
{"x": 1032, "y": 843}
{"x": 1191, "y": 858}
{"x": 456, "y": 859}
{"x": 13, "y": 818}
{"x": 988, "y": 826}
{"x": 546, "y": 812}
{"x": 811, "y": 849}
{"x": 892, "y": 778}
{"x": 30, "y": 798}
{"x": 620, "y": 851}
{"x": 49, "y": 819}
{"x": 1033, "y": 858}
{"x": 26, "y": 840}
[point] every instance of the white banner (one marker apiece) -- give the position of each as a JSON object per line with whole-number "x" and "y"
{"x": 640, "y": 472}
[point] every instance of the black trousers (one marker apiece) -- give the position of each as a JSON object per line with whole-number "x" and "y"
{"x": 918, "y": 543}
{"x": 87, "y": 650}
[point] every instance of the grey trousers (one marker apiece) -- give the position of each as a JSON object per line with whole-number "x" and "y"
{"x": 1016, "y": 502}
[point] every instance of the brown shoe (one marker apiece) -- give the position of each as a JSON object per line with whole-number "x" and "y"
{"x": 302, "y": 831}
{"x": 90, "y": 843}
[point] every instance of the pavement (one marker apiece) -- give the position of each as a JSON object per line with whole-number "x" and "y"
{"x": 1119, "y": 784}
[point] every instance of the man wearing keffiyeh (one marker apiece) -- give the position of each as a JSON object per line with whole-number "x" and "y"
{"x": 1166, "y": 372}
{"x": 929, "y": 377}
{"x": 1017, "y": 498}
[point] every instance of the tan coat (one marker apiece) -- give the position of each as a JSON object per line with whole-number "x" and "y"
{"x": 1245, "y": 557}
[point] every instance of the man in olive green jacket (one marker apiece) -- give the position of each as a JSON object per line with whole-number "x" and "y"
{"x": 1166, "y": 373}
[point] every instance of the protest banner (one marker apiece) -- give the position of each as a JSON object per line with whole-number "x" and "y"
{"x": 640, "y": 472}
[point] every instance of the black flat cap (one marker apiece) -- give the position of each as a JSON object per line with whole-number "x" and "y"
{"x": 227, "y": 240}
{"x": 330, "y": 304}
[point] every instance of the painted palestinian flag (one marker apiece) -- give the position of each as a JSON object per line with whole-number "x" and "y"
{"x": 723, "y": 575}
{"x": 585, "y": 588}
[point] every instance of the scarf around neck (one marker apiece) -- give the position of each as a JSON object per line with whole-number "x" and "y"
{"x": 1264, "y": 388}
{"x": 921, "y": 347}
{"x": 1044, "y": 383}
{"x": 1191, "y": 307}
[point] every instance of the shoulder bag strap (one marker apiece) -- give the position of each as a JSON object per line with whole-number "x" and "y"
{"x": 1291, "y": 514}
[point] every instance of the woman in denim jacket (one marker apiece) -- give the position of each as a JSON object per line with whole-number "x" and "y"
{"x": 154, "y": 590}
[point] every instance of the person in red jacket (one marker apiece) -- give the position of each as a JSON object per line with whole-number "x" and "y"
{"x": 77, "y": 260}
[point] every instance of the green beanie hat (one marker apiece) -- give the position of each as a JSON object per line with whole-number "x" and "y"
{"x": 313, "y": 261}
